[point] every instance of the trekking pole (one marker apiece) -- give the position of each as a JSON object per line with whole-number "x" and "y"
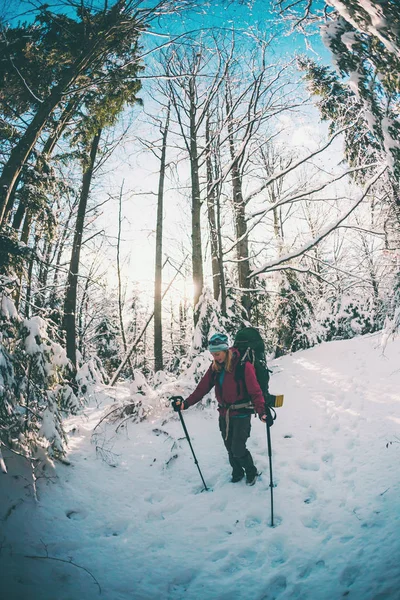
{"x": 173, "y": 401}
{"x": 270, "y": 421}
{"x": 271, "y": 483}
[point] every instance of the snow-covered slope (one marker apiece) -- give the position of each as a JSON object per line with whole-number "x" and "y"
{"x": 136, "y": 527}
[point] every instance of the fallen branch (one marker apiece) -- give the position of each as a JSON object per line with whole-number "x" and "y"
{"x": 69, "y": 562}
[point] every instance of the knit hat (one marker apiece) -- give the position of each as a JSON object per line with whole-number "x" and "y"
{"x": 218, "y": 342}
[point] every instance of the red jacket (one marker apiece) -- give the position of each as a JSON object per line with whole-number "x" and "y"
{"x": 232, "y": 391}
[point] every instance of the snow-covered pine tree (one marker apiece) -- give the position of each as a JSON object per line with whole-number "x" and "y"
{"x": 294, "y": 315}
{"x": 106, "y": 341}
{"x": 34, "y": 394}
{"x": 209, "y": 321}
{"x": 235, "y": 312}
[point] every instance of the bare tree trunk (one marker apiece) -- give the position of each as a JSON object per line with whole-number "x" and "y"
{"x": 158, "y": 340}
{"x": 43, "y": 274}
{"x": 211, "y": 198}
{"x": 120, "y": 302}
{"x": 28, "y": 296}
{"x": 72, "y": 281}
{"x": 239, "y": 207}
{"x": 197, "y": 255}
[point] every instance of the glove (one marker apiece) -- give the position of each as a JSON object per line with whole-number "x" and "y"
{"x": 267, "y": 417}
{"x": 178, "y": 404}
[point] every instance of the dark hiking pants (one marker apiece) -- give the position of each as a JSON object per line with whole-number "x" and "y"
{"x": 239, "y": 457}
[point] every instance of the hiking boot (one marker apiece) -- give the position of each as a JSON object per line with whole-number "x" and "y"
{"x": 237, "y": 477}
{"x": 251, "y": 478}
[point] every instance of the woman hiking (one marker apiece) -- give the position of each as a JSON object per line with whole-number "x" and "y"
{"x": 238, "y": 394}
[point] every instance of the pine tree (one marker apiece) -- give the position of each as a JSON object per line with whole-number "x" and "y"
{"x": 209, "y": 321}
{"x": 107, "y": 344}
{"x": 294, "y": 315}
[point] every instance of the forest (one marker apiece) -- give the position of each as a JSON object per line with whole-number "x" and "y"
{"x": 172, "y": 169}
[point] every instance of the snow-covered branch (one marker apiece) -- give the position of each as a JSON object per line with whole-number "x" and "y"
{"x": 324, "y": 233}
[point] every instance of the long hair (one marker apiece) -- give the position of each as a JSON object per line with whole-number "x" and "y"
{"x": 228, "y": 363}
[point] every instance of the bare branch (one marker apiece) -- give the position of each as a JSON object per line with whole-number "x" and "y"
{"x": 325, "y": 232}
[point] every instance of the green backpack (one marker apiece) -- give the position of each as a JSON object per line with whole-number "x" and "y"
{"x": 250, "y": 345}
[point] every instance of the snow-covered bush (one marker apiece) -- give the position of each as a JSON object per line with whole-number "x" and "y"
{"x": 347, "y": 317}
{"x": 34, "y": 394}
{"x": 392, "y": 311}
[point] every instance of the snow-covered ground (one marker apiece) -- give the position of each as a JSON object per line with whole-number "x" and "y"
{"x": 136, "y": 527}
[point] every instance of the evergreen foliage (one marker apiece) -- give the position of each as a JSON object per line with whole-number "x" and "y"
{"x": 107, "y": 343}
{"x": 34, "y": 393}
{"x": 209, "y": 321}
{"x": 294, "y": 316}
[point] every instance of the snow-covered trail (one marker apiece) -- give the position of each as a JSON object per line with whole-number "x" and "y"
{"x": 143, "y": 530}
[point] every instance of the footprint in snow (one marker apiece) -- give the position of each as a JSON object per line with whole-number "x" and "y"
{"x": 349, "y": 575}
{"x": 218, "y": 555}
{"x": 181, "y": 582}
{"x": 301, "y": 482}
{"x": 111, "y": 533}
{"x": 252, "y": 522}
{"x": 346, "y": 538}
{"x": 248, "y": 557}
{"x": 75, "y": 515}
{"x": 276, "y": 586}
{"x": 311, "y": 496}
{"x": 154, "y": 498}
{"x": 154, "y": 515}
{"x": 327, "y": 458}
{"x": 310, "y": 522}
{"x": 308, "y": 466}
{"x": 306, "y": 570}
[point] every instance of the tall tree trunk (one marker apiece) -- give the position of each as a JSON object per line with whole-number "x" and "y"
{"x": 211, "y": 197}
{"x": 220, "y": 256}
{"x": 120, "y": 301}
{"x": 40, "y": 297}
{"x": 22, "y": 150}
{"x": 158, "y": 340}
{"x": 197, "y": 255}
{"x": 72, "y": 281}
{"x": 28, "y": 296}
{"x": 46, "y": 153}
{"x": 239, "y": 207}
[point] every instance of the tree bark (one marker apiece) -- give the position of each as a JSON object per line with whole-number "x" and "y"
{"x": 239, "y": 208}
{"x": 211, "y": 198}
{"x": 197, "y": 255}
{"x": 158, "y": 340}
{"x": 72, "y": 281}
{"x": 22, "y": 150}
{"x": 120, "y": 301}
{"x": 46, "y": 152}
